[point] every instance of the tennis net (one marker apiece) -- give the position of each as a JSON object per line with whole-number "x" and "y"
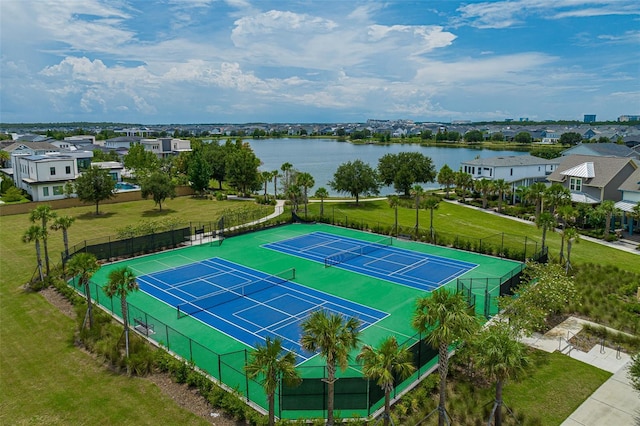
{"x": 226, "y": 295}
{"x": 343, "y": 256}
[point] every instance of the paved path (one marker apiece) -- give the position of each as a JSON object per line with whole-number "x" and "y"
{"x": 615, "y": 402}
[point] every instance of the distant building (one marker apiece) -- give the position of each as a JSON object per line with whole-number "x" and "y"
{"x": 625, "y": 118}
{"x": 518, "y": 170}
{"x": 589, "y": 118}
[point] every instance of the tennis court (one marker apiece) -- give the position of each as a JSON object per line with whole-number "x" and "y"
{"x": 377, "y": 259}
{"x": 247, "y": 304}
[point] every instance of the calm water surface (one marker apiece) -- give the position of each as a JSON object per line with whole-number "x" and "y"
{"x": 321, "y": 157}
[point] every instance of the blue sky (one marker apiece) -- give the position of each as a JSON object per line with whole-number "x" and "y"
{"x": 239, "y": 61}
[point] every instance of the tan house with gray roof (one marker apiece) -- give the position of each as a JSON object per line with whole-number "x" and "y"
{"x": 593, "y": 179}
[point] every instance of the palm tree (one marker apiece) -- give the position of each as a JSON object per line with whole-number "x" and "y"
{"x": 43, "y": 213}
{"x": 384, "y": 365}
{"x": 573, "y": 236}
{"x": 483, "y": 186}
{"x": 334, "y": 338}
{"x": 122, "y": 281}
{"x": 502, "y": 357}
{"x": 269, "y": 362}
{"x": 608, "y": 209}
{"x": 502, "y": 187}
{"x": 286, "y": 169}
{"x": 294, "y": 193}
{"x": 305, "y": 180}
{"x": 432, "y": 203}
{"x": 446, "y": 177}
{"x": 545, "y": 221}
{"x": 556, "y": 195}
{"x": 4, "y": 157}
{"x": 566, "y": 214}
{"x": 85, "y": 265}
{"x": 417, "y": 191}
{"x": 266, "y": 178}
{"x": 321, "y": 193}
{"x": 463, "y": 181}
{"x": 63, "y": 223}
{"x": 522, "y": 193}
{"x": 394, "y": 200}
{"x": 34, "y": 234}
{"x": 447, "y": 320}
{"x": 536, "y": 194}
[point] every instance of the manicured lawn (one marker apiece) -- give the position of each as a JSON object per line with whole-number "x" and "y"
{"x": 44, "y": 378}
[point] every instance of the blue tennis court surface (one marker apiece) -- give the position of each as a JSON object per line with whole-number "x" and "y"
{"x": 378, "y": 259}
{"x": 246, "y": 304}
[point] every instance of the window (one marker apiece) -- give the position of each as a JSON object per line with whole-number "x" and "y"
{"x": 52, "y": 171}
{"x": 575, "y": 184}
{"x": 45, "y": 191}
{"x": 511, "y": 171}
{"x": 58, "y": 190}
{"x": 67, "y": 170}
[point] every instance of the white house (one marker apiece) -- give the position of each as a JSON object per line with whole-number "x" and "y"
{"x": 518, "y": 170}
{"x": 30, "y": 148}
{"x": 165, "y": 147}
{"x": 44, "y": 176}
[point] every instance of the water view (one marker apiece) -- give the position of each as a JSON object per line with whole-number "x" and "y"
{"x": 321, "y": 157}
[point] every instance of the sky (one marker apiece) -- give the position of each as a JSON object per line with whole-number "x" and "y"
{"x": 312, "y": 61}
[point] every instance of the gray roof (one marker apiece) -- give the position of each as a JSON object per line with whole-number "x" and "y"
{"x": 32, "y": 145}
{"x": 632, "y": 183}
{"x": 606, "y": 168}
{"x": 604, "y": 149}
{"x": 511, "y": 160}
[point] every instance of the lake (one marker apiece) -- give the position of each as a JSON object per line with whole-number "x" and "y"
{"x": 321, "y": 157}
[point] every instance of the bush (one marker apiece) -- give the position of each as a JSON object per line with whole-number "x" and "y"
{"x": 12, "y": 195}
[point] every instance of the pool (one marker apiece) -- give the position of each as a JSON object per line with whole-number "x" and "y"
{"x": 125, "y": 186}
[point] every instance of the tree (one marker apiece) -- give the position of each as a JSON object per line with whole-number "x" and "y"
{"x": 555, "y": 196}
{"x": 432, "y": 203}
{"x": 416, "y": 192}
{"x": 141, "y": 161}
{"x": 608, "y": 209}
{"x": 474, "y": 136}
{"x": 242, "y": 170}
{"x": 446, "y": 177}
{"x": 294, "y": 194}
{"x": 122, "y": 281}
{"x": 63, "y": 223}
{"x": 522, "y": 192}
{"x": 159, "y": 186}
{"x": 275, "y": 175}
{"x": 34, "y": 234}
{"x": 502, "y": 187}
{"x": 265, "y": 178}
{"x": 545, "y": 221}
{"x": 394, "y": 201}
{"x": 501, "y": 357}
{"x": 570, "y": 138}
{"x": 199, "y": 171}
{"x": 566, "y": 215}
{"x": 305, "y": 181}
{"x": 321, "y": 193}
{"x": 447, "y": 320}
{"x": 4, "y": 157}
{"x": 483, "y": 186}
{"x": 384, "y": 364}
{"x": 43, "y": 214}
{"x": 95, "y": 185}
{"x": 355, "y": 178}
{"x": 536, "y": 194}
{"x": 523, "y": 137}
{"x": 334, "y": 337}
{"x": 405, "y": 169}
{"x": 85, "y": 265}
{"x": 464, "y": 181}
{"x": 286, "y": 169}
{"x": 269, "y": 362}
{"x": 572, "y": 236}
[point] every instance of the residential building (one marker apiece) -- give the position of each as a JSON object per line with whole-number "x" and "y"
{"x": 593, "y": 179}
{"x": 165, "y": 147}
{"x": 630, "y": 189}
{"x": 30, "y": 148}
{"x": 518, "y": 170}
{"x": 44, "y": 176}
{"x": 601, "y": 150}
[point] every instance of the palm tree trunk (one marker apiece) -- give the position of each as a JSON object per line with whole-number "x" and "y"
{"x": 331, "y": 378}
{"x": 65, "y": 239}
{"x": 498, "y": 413}
{"x": 607, "y": 227}
{"x": 431, "y": 227}
{"x": 125, "y": 322}
{"x": 568, "y": 256}
{"x": 46, "y": 252}
{"x": 272, "y": 409}
{"x": 562, "y": 247}
{"x": 387, "y": 407}
{"x": 87, "y": 290}
{"x": 39, "y": 260}
{"x": 443, "y": 367}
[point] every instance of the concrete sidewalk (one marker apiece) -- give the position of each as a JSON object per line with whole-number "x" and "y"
{"x": 614, "y": 403}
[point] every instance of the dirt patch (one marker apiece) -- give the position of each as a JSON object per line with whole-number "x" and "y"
{"x": 59, "y": 301}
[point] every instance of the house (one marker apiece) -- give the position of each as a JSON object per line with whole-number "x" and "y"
{"x": 165, "y": 147}
{"x": 601, "y": 149}
{"x": 630, "y": 189}
{"x": 593, "y": 179}
{"x": 115, "y": 168}
{"x": 30, "y": 148}
{"x": 122, "y": 142}
{"x": 44, "y": 176}
{"x": 518, "y": 170}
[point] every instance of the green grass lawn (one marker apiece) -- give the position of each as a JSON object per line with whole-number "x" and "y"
{"x": 44, "y": 378}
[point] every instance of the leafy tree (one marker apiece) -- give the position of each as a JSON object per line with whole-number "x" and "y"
{"x": 446, "y": 319}
{"x": 216, "y": 157}
{"x": 446, "y": 177}
{"x": 141, "y": 161}
{"x": 4, "y": 157}
{"x": 483, "y": 186}
{"x": 242, "y": 170}
{"x": 321, "y": 193}
{"x": 570, "y": 138}
{"x": 122, "y": 281}
{"x": 523, "y": 137}
{"x": 355, "y": 178}
{"x": 199, "y": 171}
{"x": 474, "y": 136}
{"x": 95, "y": 185}
{"x": 85, "y": 265}
{"x": 43, "y": 214}
{"x": 269, "y": 363}
{"x": 334, "y": 337}
{"x": 159, "y": 186}
{"x": 501, "y": 187}
{"x": 63, "y": 223}
{"x": 34, "y": 234}
{"x": 417, "y": 192}
{"x": 12, "y": 194}
{"x": 502, "y": 357}
{"x": 384, "y": 364}
{"x": 305, "y": 181}
{"x": 432, "y": 203}
{"x": 497, "y": 137}
{"x": 405, "y": 169}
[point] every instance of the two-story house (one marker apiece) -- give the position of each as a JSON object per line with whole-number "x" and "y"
{"x": 593, "y": 179}
{"x": 630, "y": 190}
{"x": 518, "y": 170}
{"x": 44, "y": 176}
